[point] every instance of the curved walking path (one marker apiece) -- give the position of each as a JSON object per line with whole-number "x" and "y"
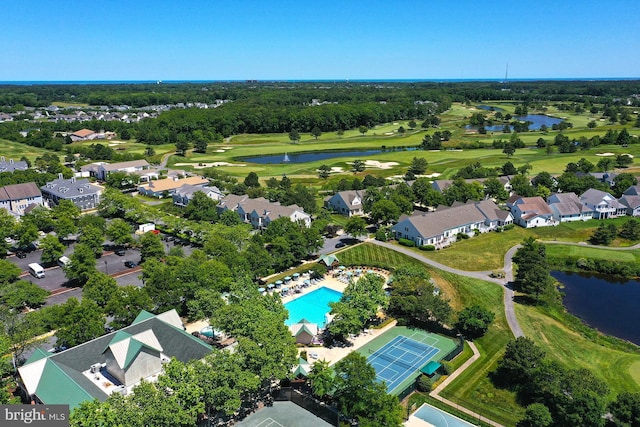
{"x": 436, "y": 392}
{"x": 505, "y": 282}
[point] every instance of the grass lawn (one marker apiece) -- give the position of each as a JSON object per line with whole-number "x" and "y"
{"x": 559, "y": 251}
{"x": 579, "y": 231}
{"x": 620, "y": 369}
{"x": 473, "y": 388}
{"x": 481, "y": 253}
{"x": 15, "y": 150}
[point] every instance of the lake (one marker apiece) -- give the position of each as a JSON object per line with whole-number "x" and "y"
{"x": 537, "y": 120}
{"x": 317, "y": 155}
{"x": 604, "y": 303}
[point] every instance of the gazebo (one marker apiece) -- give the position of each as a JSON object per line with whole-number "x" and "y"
{"x": 329, "y": 260}
{"x": 304, "y": 331}
{"x": 302, "y": 369}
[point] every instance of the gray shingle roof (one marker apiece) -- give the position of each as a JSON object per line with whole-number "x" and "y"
{"x": 69, "y": 188}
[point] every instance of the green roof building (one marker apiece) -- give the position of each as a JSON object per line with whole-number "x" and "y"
{"x": 113, "y": 363}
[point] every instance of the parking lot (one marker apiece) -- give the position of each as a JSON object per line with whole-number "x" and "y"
{"x": 56, "y": 282}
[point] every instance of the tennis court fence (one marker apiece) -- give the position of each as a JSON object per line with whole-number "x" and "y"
{"x": 311, "y": 404}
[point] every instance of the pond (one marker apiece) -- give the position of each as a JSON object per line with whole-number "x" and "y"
{"x": 537, "y": 121}
{"x": 488, "y": 108}
{"x": 604, "y": 303}
{"x": 316, "y": 155}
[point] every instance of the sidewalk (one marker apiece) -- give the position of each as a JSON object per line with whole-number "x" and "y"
{"x": 436, "y": 393}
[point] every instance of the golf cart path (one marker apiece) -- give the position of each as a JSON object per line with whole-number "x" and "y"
{"x": 509, "y": 306}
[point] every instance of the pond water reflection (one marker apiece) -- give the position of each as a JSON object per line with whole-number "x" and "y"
{"x": 604, "y": 303}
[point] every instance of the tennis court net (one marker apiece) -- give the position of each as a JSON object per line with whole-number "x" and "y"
{"x": 396, "y": 361}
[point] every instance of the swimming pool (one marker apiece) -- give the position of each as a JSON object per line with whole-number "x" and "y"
{"x": 312, "y": 306}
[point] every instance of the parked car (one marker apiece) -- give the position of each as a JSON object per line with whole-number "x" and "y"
{"x": 120, "y": 252}
{"x": 341, "y": 245}
{"x": 130, "y": 264}
{"x": 21, "y": 254}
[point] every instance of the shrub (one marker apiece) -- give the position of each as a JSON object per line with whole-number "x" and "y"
{"x": 462, "y": 236}
{"x": 427, "y": 248}
{"x": 508, "y": 227}
{"x": 407, "y": 242}
{"x": 423, "y": 383}
{"x": 445, "y": 368}
{"x": 381, "y": 235}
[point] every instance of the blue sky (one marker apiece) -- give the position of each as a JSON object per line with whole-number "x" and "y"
{"x": 331, "y": 39}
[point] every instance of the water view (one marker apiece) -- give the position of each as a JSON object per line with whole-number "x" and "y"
{"x": 312, "y": 306}
{"x": 537, "y": 121}
{"x": 314, "y": 156}
{"x": 604, "y": 303}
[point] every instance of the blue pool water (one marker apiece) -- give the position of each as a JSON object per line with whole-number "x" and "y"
{"x": 312, "y": 306}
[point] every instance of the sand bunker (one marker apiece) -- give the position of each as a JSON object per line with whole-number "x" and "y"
{"x": 605, "y": 154}
{"x": 336, "y": 169}
{"x": 380, "y": 165}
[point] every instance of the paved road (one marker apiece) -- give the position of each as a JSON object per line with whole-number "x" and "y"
{"x": 482, "y": 275}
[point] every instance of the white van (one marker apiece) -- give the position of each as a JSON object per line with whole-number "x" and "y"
{"x": 63, "y": 261}
{"x": 36, "y": 270}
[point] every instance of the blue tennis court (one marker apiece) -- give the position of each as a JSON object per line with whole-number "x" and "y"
{"x": 439, "y": 418}
{"x": 399, "y": 359}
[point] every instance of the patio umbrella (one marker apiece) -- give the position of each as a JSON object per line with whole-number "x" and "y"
{"x": 342, "y": 267}
{"x": 286, "y": 279}
{"x": 260, "y": 289}
{"x": 349, "y": 273}
{"x": 358, "y": 271}
{"x": 307, "y": 282}
{"x": 270, "y": 286}
{"x": 370, "y": 271}
{"x": 284, "y": 288}
{"x": 296, "y": 275}
{"x": 278, "y": 282}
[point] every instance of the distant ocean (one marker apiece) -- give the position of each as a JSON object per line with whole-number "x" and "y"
{"x": 124, "y": 82}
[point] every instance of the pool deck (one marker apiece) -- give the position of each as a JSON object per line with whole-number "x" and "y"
{"x": 333, "y": 355}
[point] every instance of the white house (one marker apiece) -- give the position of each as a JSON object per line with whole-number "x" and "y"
{"x": 603, "y": 204}
{"x": 347, "y": 203}
{"x": 440, "y": 228}
{"x": 260, "y": 212}
{"x": 184, "y": 194}
{"x": 530, "y": 212}
{"x": 567, "y": 207}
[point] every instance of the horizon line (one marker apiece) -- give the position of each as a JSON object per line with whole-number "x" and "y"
{"x": 335, "y": 80}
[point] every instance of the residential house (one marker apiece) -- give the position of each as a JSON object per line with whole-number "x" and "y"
{"x": 260, "y": 212}
{"x": 184, "y": 194}
{"x": 631, "y": 200}
{"x": 603, "y": 204}
{"x": 80, "y": 191}
{"x": 163, "y": 187}
{"x": 132, "y": 167}
{"x": 83, "y": 135}
{"x": 604, "y": 177}
{"x": 440, "y": 228}
{"x": 12, "y": 165}
{"x": 567, "y": 207}
{"x": 530, "y": 212}
{"x": 441, "y": 185}
{"x": 347, "y": 203}
{"x": 18, "y": 199}
{"x": 112, "y": 363}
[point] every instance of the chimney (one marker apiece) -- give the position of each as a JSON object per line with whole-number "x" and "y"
{"x": 2, "y": 158}
{"x": 60, "y": 176}
{"x": 11, "y": 161}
